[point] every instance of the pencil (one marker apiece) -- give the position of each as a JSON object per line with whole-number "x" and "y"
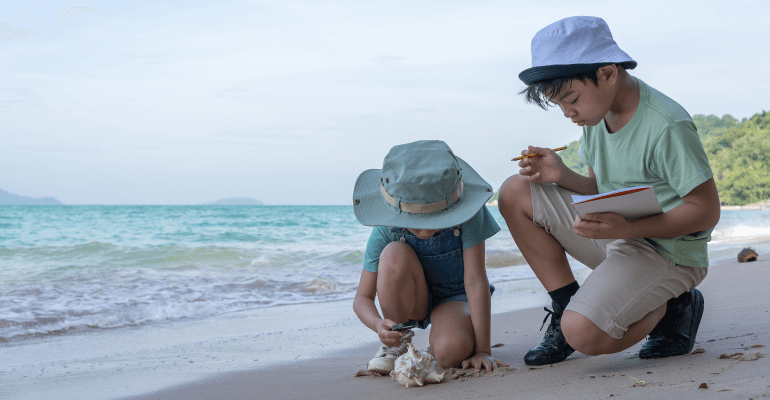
{"x": 535, "y": 154}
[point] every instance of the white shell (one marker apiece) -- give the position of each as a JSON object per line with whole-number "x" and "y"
{"x": 415, "y": 368}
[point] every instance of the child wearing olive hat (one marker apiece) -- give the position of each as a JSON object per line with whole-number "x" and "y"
{"x": 425, "y": 256}
{"x": 642, "y": 284}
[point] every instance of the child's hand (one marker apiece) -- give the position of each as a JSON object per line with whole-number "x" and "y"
{"x": 485, "y": 360}
{"x": 602, "y": 226}
{"x": 546, "y": 168}
{"x": 387, "y": 337}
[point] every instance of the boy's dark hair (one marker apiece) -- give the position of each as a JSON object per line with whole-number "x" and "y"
{"x": 538, "y": 92}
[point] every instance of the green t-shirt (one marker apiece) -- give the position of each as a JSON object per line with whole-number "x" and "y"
{"x": 474, "y": 231}
{"x": 658, "y": 147}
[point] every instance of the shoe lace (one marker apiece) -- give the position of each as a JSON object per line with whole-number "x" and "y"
{"x": 550, "y": 313}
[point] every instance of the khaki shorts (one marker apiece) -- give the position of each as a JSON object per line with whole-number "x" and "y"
{"x": 629, "y": 278}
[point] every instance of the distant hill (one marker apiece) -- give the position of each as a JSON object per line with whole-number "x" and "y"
{"x": 13, "y": 199}
{"x": 235, "y": 201}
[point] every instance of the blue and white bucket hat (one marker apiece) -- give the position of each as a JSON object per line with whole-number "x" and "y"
{"x": 571, "y": 46}
{"x": 422, "y": 185}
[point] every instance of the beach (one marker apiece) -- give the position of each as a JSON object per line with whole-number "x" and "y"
{"x": 735, "y": 320}
{"x": 105, "y": 302}
{"x": 291, "y": 352}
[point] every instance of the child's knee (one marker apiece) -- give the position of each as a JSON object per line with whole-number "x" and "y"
{"x": 450, "y": 352}
{"x": 515, "y": 192}
{"x": 583, "y": 335}
{"x": 396, "y": 258}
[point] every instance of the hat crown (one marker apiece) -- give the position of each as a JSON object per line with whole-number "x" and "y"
{"x": 421, "y": 172}
{"x": 576, "y": 40}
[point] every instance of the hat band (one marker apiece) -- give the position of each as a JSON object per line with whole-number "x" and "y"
{"x": 424, "y": 208}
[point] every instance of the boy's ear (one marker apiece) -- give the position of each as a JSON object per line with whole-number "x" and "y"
{"x": 608, "y": 73}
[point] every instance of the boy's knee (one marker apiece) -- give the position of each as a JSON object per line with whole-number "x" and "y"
{"x": 513, "y": 188}
{"x": 583, "y": 335}
{"x": 515, "y": 192}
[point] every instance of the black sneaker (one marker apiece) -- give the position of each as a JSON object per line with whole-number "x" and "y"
{"x": 675, "y": 333}
{"x": 554, "y": 347}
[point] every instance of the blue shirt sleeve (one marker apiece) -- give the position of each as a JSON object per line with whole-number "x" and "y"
{"x": 378, "y": 239}
{"x": 479, "y": 228}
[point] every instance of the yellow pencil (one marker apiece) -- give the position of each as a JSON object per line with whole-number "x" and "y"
{"x": 535, "y": 154}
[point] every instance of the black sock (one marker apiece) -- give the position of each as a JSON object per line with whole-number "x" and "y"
{"x": 562, "y": 295}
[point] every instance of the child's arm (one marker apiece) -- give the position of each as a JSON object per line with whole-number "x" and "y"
{"x": 699, "y": 212}
{"x": 364, "y": 307}
{"x": 549, "y": 168}
{"x": 479, "y": 303}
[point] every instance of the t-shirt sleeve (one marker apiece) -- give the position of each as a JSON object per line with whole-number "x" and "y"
{"x": 679, "y": 158}
{"x": 479, "y": 228}
{"x": 378, "y": 239}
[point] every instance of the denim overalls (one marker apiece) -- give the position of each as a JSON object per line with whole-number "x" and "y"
{"x": 441, "y": 257}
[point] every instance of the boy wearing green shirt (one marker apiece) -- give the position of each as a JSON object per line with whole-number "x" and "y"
{"x": 643, "y": 283}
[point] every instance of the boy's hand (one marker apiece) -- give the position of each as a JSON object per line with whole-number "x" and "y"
{"x": 602, "y": 226}
{"x": 388, "y": 337}
{"x": 546, "y": 168}
{"x": 484, "y": 360}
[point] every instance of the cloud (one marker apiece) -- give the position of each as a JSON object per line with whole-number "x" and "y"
{"x": 264, "y": 134}
{"x": 74, "y": 12}
{"x": 11, "y": 34}
{"x": 10, "y": 97}
{"x": 417, "y": 110}
{"x": 386, "y": 59}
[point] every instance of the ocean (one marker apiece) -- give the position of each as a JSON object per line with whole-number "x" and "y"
{"x": 69, "y": 270}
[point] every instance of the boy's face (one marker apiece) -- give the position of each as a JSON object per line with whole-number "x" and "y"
{"x": 423, "y": 233}
{"x": 584, "y": 102}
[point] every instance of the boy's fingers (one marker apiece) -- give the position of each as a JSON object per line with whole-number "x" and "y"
{"x": 465, "y": 364}
{"x": 538, "y": 150}
{"x": 501, "y": 363}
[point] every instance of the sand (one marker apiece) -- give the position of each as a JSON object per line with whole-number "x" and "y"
{"x": 736, "y": 320}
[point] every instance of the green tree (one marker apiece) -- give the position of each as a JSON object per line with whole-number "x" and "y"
{"x": 572, "y": 160}
{"x": 740, "y": 160}
{"x": 710, "y": 125}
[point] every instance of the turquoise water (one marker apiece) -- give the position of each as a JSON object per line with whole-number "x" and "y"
{"x": 80, "y": 268}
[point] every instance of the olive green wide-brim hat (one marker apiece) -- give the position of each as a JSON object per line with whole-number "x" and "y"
{"x": 416, "y": 183}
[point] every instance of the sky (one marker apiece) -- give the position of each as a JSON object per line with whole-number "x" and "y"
{"x": 287, "y": 102}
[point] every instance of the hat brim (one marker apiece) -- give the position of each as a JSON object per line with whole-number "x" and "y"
{"x": 535, "y": 74}
{"x": 373, "y": 210}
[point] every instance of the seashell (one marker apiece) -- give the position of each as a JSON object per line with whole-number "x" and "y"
{"x": 415, "y": 368}
{"x": 747, "y": 254}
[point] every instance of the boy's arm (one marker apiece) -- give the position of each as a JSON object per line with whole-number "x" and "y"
{"x": 699, "y": 212}
{"x": 479, "y": 303}
{"x": 364, "y": 307}
{"x": 549, "y": 168}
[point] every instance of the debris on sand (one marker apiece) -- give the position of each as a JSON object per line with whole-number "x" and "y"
{"x": 703, "y": 385}
{"x": 698, "y": 350}
{"x": 463, "y": 374}
{"x": 638, "y": 382}
{"x": 366, "y": 372}
{"x": 747, "y": 255}
{"x": 740, "y": 356}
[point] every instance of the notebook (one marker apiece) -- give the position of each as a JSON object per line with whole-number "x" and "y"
{"x": 631, "y": 203}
